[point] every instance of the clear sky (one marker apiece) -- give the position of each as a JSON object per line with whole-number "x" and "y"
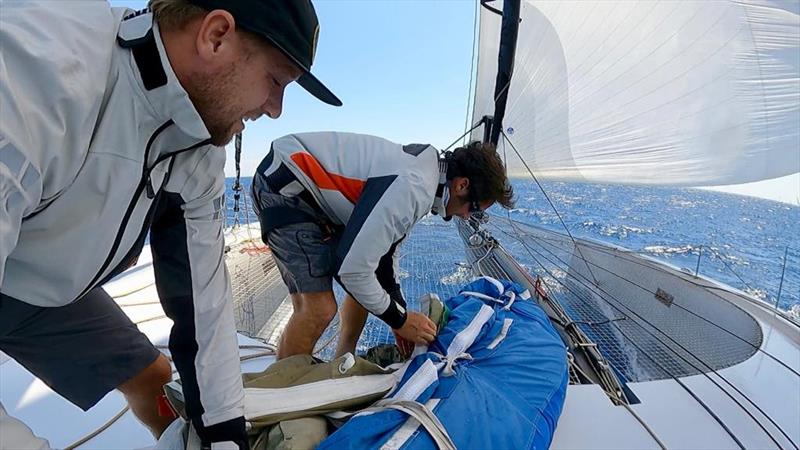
{"x": 402, "y": 69}
{"x": 784, "y": 189}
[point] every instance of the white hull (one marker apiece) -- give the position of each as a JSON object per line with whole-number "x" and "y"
{"x": 591, "y": 421}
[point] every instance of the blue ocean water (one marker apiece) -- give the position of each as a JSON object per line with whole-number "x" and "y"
{"x": 740, "y": 241}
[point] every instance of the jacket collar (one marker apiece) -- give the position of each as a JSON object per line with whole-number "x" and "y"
{"x": 154, "y": 75}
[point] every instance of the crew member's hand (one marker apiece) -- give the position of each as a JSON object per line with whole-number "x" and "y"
{"x": 405, "y": 346}
{"x": 418, "y": 329}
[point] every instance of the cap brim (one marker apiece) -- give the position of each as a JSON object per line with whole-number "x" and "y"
{"x": 308, "y": 81}
{"x": 315, "y": 87}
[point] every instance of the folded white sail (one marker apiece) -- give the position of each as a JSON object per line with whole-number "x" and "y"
{"x": 672, "y": 92}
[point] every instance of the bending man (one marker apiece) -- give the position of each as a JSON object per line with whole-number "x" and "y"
{"x": 337, "y": 205}
{"x": 111, "y": 125}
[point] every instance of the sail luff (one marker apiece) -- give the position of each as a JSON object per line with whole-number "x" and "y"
{"x": 505, "y": 65}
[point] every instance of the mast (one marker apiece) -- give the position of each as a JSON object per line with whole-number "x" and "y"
{"x": 505, "y": 64}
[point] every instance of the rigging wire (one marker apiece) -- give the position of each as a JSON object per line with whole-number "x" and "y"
{"x": 711, "y": 369}
{"x": 630, "y": 410}
{"x": 472, "y": 71}
{"x": 606, "y": 377}
{"x": 717, "y": 255}
{"x": 99, "y": 430}
{"x": 237, "y": 185}
{"x": 707, "y": 366}
{"x": 594, "y": 324}
{"x": 783, "y": 273}
{"x": 505, "y": 162}
{"x": 705, "y": 374}
{"x": 248, "y": 228}
{"x": 485, "y": 4}
{"x": 595, "y": 278}
{"x": 686, "y": 388}
{"x": 525, "y": 163}
{"x": 699, "y": 316}
{"x": 478, "y": 261}
{"x": 703, "y": 404}
{"x": 477, "y": 124}
{"x": 695, "y": 283}
{"x": 237, "y": 189}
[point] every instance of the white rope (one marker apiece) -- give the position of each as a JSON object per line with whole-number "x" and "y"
{"x": 99, "y": 430}
{"x": 482, "y": 296}
{"x": 448, "y": 370}
{"x": 512, "y": 298}
{"x": 424, "y": 416}
{"x": 269, "y": 351}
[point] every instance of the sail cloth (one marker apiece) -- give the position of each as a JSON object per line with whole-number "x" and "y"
{"x": 301, "y": 386}
{"x": 495, "y": 377}
{"x": 691, "y": 93}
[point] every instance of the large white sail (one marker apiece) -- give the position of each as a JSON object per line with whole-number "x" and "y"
{"x": 672, "y": 92}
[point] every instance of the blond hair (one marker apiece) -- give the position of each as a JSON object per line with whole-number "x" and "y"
{"x": 174, "y": 14}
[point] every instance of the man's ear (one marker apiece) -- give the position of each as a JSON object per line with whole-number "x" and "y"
{"x": 215, "y": 35}
{"x": 463, "y": 185}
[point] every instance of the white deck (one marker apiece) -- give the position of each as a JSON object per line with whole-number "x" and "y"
{"x": 591, "y": 421}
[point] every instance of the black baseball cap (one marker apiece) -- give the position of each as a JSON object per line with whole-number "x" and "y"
{"x": 289, "y": 25}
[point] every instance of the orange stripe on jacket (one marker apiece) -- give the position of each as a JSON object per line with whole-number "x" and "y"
{"x": 349, "y": 187}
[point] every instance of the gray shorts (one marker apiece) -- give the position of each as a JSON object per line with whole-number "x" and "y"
{"x": 305, "y": 253}
{"x": 82, "y": 350}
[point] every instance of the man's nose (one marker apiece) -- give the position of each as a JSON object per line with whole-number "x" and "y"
{"x": 274, "y": 104}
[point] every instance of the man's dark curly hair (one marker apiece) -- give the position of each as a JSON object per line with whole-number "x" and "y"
{"x": 480, "y": 163}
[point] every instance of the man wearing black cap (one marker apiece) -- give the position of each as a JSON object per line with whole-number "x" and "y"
{"x": 110, "y": 129}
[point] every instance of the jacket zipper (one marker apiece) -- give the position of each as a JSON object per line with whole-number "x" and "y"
{"x": 132, "y": 256}
{"x": 121, "y": 231}
{"x": 144, "y": 184}
{"x": 138, "y": 244}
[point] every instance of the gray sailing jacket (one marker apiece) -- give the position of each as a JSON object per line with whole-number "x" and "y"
{"x": 373, "y": 187}
{"x": 99, "y": 143}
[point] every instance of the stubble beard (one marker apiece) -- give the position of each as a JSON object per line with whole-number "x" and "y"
{"x": 212, "y": 97}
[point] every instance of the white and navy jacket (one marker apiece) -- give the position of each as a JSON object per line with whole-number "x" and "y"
{"x": 99, "y": 143}
{"x": 373, "y": 187}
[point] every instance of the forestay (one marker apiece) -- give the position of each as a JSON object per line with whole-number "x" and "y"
{"x": 675, "y": 93}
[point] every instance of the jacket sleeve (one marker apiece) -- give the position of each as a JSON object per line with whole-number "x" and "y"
{"x": 52, "y": 82}
{"x": 386, "y": 271}
{"x": 20, "y": 193}
{"x": 194, "y": 288}
{"x": 385, "y": 212}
